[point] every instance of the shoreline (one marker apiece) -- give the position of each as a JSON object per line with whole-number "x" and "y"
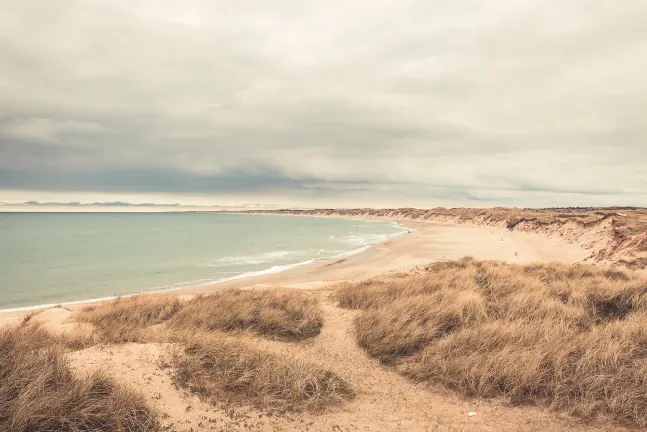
{"x": 273, "y": 270}
{"x": 425, "y": 242}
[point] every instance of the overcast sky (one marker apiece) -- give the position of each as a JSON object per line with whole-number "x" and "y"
{"x": 325, "y": 103}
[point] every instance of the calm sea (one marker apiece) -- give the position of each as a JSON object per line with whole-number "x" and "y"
{"x": 51, "y": 258}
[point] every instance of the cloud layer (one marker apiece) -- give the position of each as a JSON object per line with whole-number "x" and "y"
{"x": 381, "y": 102}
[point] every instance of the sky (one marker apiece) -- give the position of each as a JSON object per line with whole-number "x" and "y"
{"x": 330, "y": 103}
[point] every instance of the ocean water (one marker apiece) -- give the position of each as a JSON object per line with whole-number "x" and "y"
{"x": 52, "y": 258}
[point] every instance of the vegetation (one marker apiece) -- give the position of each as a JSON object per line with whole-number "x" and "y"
{"x": 38, "y": 391}
{"x": 127, "y": 319}
{"x": 215, "y": 364}
{"x": 571, "y": 337}
{"x": 278, "y": 314}
{"x": 233, "y": 369}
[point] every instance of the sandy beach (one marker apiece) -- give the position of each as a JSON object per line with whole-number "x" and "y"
{"x": 427, "y": 242}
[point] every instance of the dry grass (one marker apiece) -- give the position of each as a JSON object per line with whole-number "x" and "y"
{"x": 277, "y": 314}
{"x": 239, "y": 371}
{"x": 127, "y": 319}
{"x": 280, "y": 314}
{"x": 215, "y": 364}
{"x": 571, "y": 337}
{"x": 38, "y": 391}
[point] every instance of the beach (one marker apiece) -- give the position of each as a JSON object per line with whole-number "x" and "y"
{"x": 426, "y": 242}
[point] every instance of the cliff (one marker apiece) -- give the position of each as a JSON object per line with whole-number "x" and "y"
{"x": 616, "y": 236}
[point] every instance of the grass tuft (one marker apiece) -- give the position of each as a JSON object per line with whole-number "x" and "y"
{"x": 223, "y": 367}
{"x": 278, "y": 314}
{"x": 38, "y": 391}
{"x": 126, "y": 319}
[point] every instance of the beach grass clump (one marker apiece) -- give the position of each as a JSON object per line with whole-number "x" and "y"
{"x": 572, "y": 337}
{"x": 223, "y": 367}
{"x": 39, "y": 392}
{"x": 283, "y": 314}
{"x": 128, "y": 319}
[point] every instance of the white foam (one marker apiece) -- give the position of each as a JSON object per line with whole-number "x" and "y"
{"x": 271, "y": 270}
{"x": 261, "y": 258}
{"x": 365, "y": 239}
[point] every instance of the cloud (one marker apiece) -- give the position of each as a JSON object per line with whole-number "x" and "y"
{"x": 380, "y": 102}
{"x": 49, "y": 131}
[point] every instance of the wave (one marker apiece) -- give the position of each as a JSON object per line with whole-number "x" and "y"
{"x": 371, "y": 239}
{"x": 271, "y": 270}
{"x": 261, "y": 258}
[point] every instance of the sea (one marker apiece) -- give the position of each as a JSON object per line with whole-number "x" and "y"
{"x": 58, "y": 258}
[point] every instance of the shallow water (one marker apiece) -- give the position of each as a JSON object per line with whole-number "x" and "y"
{"x": 51, "y": 258}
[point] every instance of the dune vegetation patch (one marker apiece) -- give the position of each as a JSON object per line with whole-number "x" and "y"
{"x": 223, "y": 367}
{"x": 39, "y": 392}
{"x": 281, "y": 314}
{"x": 276, "y": 314}
{"x": 570, "y": 337}
{"x": 128, "y": 319}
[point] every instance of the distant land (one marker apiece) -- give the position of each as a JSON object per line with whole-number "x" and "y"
{"x": 151, "y": 206}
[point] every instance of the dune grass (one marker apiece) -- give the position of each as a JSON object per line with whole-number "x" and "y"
{"x": 38, "y": 391}
{"x": 235, "y": 370}
{"x": 282, "y": 314}
{"x": 276, "y": 314}
{"x": 571, "y": 337}
{"x": 215, "y": 364}
{"x": 127, "y": 319}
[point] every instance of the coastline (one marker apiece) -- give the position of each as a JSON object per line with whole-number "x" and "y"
{"x": 272, "y": 270}
{"x": 426, "y": 242}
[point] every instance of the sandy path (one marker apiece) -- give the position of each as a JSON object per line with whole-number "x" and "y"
{"x": 385, "y": 400}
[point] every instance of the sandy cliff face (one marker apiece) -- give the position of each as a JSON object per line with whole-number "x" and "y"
{"x": 616, "y": 236}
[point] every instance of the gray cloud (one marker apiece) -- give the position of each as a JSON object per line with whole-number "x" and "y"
{"x": 382, "y": 102}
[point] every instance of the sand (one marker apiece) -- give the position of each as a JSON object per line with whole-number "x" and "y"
{"x": 385, "y": 401}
